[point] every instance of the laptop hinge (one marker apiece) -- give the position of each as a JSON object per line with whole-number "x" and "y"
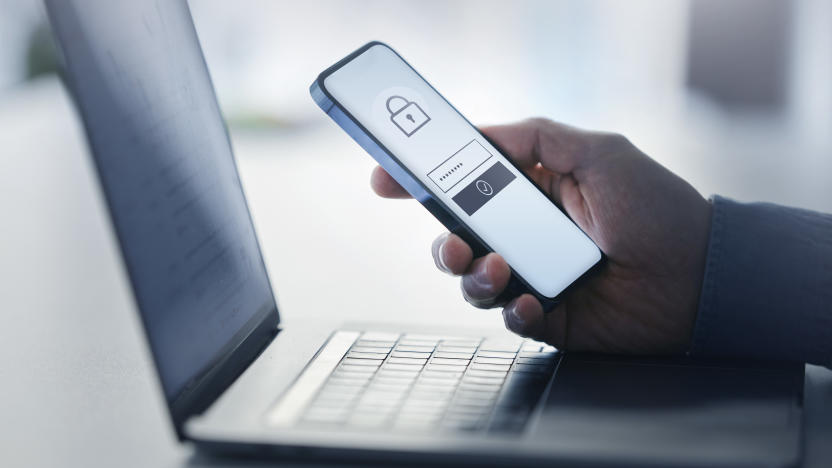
{"x": 202, "y": 391}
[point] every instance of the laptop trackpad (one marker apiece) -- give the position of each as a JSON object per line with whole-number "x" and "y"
{"x": 662, "y": 411}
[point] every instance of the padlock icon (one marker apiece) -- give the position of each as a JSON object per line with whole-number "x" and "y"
{"x": 407, "y": 115}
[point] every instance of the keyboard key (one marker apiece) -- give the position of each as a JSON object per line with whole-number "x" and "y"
{"x": 430, "y": 344}
{"x": 337, "y": 401}
{"x": 394, "y": 378}
{"x": 425, "y": 388}
{"x": 453, "y": 355}
{"x": 409, "y": 373}
{"x": 480, "y": 389}
{"x": 402, "y": 367}
{"x": 386, "y": 390}
{"x": 420, "y": 337}
{"x": 496, "y": 345}
{"x": 488, "y": 395}
{"x": 493, "y": 360}
{"x": 361, "y": 362}
{"x": 363, "y": 355}
{"x": 446, "y": 367}
{"x": 429, "y": 414}
{"x": 406, "y": 360}
{"x": 424, "y": 405}
{"x": 454, "y": 362}
{"x": 481, "y": 386}
{"x": 397, "y": 380}
{"x": 427, "y": 409}
{"x": 374, "y": 344}
{"x": 457, "y": 349}
{"x": 476, "y": 382}
{"x": 494, "y": 367}
{"x": 483, "y": 401}
{"x": 489, "y": 374}
{"x": 371, "y": 349}
{"x": 378, "y": 398}
{"x": 462, "y": 343}
{"x": 433, "y": 382}
{"x": 424, "y": 411}
{"x": 474, "y": 375}
{"x": 497, "y": 354}
{"x": 472, "y": 405}
{"x": 415, "y": 349}
{"x": 431, "y": 393}
{"x": 377, "y": 406}
{"x": 411, "y": 354}
{"x": 422, "y": 383}
{"x": 442, "y": 374}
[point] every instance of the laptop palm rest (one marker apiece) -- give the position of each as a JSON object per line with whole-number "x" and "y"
{"x": 659, "y": 411}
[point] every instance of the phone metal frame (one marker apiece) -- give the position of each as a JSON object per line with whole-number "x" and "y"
{"x": 517, "y": 285}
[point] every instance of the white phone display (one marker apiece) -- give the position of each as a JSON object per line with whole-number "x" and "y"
{"x": 395, "y": 114}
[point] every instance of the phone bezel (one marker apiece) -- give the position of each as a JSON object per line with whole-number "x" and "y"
{"x": 321, "y": 84}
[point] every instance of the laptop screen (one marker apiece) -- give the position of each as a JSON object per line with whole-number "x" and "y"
{"x": 165, "y": 164}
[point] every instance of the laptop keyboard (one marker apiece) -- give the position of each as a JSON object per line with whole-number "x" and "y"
{"x": 427, "y": 383}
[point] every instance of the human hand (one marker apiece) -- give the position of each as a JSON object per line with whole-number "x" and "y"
{"x": 652, "y": 225}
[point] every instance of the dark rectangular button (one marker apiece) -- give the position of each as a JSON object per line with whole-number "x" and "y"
{"x": 483, "y": 188}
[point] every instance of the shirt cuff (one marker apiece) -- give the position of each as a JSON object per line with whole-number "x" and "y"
{"x": 767, "y": 290}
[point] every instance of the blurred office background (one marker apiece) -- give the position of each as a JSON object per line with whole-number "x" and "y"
{"x": 735, "y": 96}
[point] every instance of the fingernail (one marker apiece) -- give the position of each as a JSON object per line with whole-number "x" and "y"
{"x": 479, "y": 280}
{"x": 439, "y": 255}
{"x": 512, "y": 319}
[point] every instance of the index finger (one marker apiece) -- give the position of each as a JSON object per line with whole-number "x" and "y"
{"x": 385, "y": 186}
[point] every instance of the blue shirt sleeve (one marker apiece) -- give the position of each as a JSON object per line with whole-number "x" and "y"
{"x": 767, "y": 291}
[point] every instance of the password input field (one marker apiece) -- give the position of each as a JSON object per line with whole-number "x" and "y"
{"x": 459, "y": 165}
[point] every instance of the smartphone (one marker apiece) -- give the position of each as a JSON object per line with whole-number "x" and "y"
{"x": 457, "y": 173}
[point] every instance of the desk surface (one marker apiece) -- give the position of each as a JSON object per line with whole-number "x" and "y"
{"x": 77, "y": 383}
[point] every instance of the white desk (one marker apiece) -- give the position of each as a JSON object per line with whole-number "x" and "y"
{"x": 76, "y": 383}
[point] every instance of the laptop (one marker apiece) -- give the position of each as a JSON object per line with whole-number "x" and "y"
{"x": 238, "y": 382}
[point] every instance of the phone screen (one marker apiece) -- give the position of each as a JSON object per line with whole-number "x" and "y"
{"x": 454, "y": 162}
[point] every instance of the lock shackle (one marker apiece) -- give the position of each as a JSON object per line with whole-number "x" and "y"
{"x": 406, "y": 102}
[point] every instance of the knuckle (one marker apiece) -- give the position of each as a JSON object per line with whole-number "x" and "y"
{"x": 540, "y": 121}
{"x": 608, "y": 144}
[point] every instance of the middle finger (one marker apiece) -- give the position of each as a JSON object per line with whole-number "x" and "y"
{"x": 483, "y": 283}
